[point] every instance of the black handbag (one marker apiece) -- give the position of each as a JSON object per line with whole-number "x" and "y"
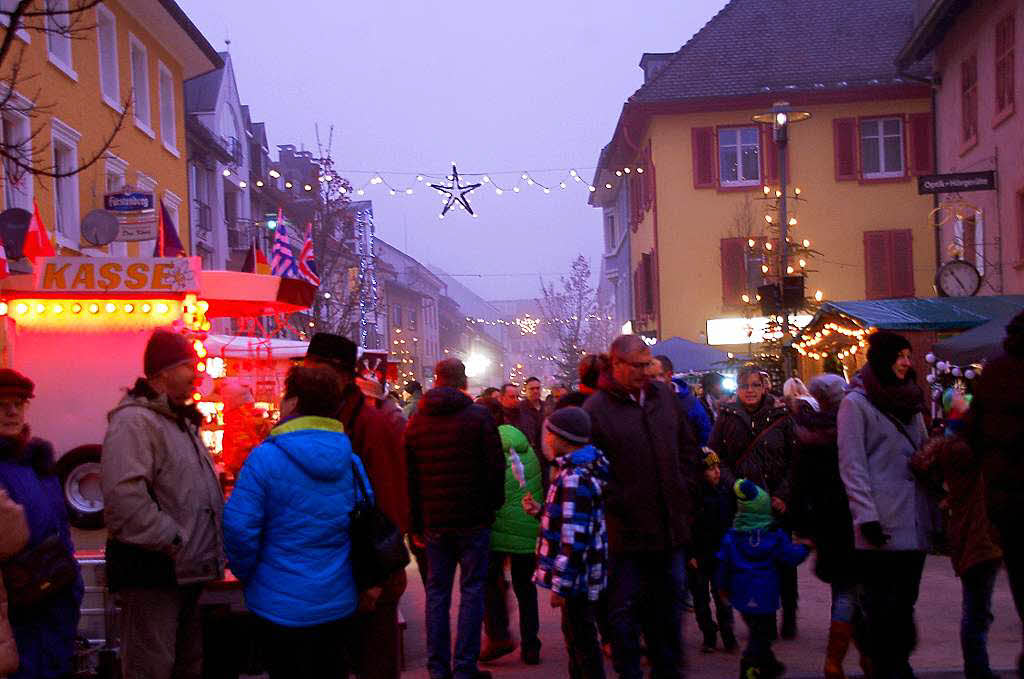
{"x": 378, "y": 547}
{"x": 37, "y": 573}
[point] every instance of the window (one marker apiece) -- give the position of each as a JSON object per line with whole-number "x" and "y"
{"x": 888, "y": 264}
{"x": 8, "y": 7}
{"x": 741, "y": 267}
{"x": 1004, "y": 64}
{"x": 609, "y": 232}
{"x": 168, "y": 117}
{"x": 17, "y": 182}
{"x": 106, "y": 42}
{"x": 739, "y": 156}
{"x": 58, "y": 36}
{"x": 969, "y": 234}
{"x": 881, "y": 147}
{"x": 65, "y": 189}
{"x": 412, "y": 319}
{"x": 398, "y": 316}
{"x": 116, "y": 180}
{"x": 969, "y": 100}
{"x": 140, "y": 85}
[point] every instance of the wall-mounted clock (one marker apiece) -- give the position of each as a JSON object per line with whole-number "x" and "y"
{"x": 958, "y": 278}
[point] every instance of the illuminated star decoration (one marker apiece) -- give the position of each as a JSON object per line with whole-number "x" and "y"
{"x": 456, "y": 193}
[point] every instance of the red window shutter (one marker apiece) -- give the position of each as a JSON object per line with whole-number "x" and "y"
{"x": 703, "y": 142}
{"x": 902, "y": 263}
{"x": 734, "y": 274}
{"x": 844, "y": 135}
{"x": 970, "y": 241}
{"x": 770, "y": 153}
{"x": 648, "y": 182}
{"x": 646, "y": 282}
{"x": 877, "y": 264}
{"x": 640, "y": 288}
{"x": 922, "y": 158}
{"x": 654, "y": 294}
{"x": 635, "y": 202}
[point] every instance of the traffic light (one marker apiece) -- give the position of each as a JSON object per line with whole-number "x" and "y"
{"x": 271, "y": 219}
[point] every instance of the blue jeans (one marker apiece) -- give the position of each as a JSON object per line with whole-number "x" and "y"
{"x": 978, "y": 583}
{"x": 645, "y": 594}
{"x": 470, "y": 551}
{"x": 847, "y": 603}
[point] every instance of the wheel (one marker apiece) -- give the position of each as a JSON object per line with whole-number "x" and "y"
{"x": 79, "y": 472}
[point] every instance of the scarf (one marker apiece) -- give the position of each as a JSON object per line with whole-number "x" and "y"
{"x": 900, "y": 399}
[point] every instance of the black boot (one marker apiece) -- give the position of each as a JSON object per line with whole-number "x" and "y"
{"x": 788, "y": 623}
{"x": 729, "y": 642}
{"x": 710, "y": 637}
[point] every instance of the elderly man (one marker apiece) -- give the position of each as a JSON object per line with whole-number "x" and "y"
{"x": 640, "y": 425}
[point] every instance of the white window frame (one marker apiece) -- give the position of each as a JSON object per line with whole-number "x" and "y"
{"x": 112, "y": 99}
{"x": 145, "y": 183}
{"x": 880, "y": 138}
{"x": 28, "y": 194}
{"x": 117, "y": 167}
{"x": 169, "y": 140}
{"x": 21, "y": 33}
{"x": 146, "y": 125}
{"x": 739, "y": 146}
{"x": 62, "y": 133}
{"x": 52, "y": 39}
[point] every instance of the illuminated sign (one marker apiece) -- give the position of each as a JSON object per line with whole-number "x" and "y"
{"x": 123, "y": 275}
{"x": 92, "y": 315}
{"x": 746, "y": 330}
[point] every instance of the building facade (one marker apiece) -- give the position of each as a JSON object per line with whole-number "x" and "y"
{"x": 615, "y": 284}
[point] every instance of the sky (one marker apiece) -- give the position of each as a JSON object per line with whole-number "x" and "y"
{"x": 500, "y": 88}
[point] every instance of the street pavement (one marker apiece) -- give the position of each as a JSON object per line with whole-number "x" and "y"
{"x": 938, "y": 618}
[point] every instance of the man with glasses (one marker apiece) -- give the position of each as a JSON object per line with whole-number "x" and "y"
{"x": 643, "y": 430}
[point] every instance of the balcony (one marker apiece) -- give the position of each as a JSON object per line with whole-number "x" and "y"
{"x": 204, "y": 222}
{"x": 238, "y": 235}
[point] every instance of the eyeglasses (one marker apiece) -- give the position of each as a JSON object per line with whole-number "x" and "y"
{"x": 752, "y": 385}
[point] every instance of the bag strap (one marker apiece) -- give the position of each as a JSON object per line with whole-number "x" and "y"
{"x": 357, "y": 479}
{"x": 896, "y": 423}
{"x": 757, "y": 439}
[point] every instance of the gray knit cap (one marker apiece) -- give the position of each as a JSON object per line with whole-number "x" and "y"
{"x": 572, "y": 424}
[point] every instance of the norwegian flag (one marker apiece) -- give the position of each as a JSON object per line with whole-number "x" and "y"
{"x": 307, "y": 260}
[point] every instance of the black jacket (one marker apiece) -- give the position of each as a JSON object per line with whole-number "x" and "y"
{"x": 716, "y": 510}
{"x": 654, "y": 459}
{"x": 456, "y": 463}
{"x": 769, "y": 463}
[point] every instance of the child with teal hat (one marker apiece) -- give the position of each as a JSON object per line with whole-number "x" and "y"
{"x": 752, "y": 553}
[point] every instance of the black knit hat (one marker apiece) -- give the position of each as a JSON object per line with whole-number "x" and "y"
{"x": 572, "y": 424}
{"x": 15, "y": 385}
{"x": 335, "y": 349}
{"x": 884, "y": 348}
{"x": 165, "y": 350}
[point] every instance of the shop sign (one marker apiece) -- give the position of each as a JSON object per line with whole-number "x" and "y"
{"x": 956, "y": 182}
{"x": 136, "y": 214}
{"x": 746, "y": 330}
{"x": 112, "y": 274}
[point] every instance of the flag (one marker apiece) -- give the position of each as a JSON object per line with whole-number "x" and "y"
{"x": 307, "y": 260}
{"x": 282, "y": 259}
{"x": 167, "y": 242}
{"x": 256, "y": 261}
{"x": 4, "y": 269}
{"x": 37, "y": 243}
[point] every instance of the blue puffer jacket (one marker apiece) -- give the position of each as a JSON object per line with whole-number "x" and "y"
{"x": 749, "y": 567}
{"x": 286, "y": 524}
{"x": 695, "y": 412}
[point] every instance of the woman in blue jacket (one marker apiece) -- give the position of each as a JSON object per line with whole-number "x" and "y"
{"x": 286, "y": 530}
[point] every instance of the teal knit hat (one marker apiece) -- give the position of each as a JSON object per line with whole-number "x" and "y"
{"x": 754, "y": 506}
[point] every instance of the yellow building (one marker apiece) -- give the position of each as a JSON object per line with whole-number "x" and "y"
{"x": 70, "y": 90}
{"x": 686, "y": 169}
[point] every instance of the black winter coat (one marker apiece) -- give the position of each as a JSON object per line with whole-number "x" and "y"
{"x": 819, "y": 508}
{"x": 717, "y": 508}
{"x": 655, "y": 465}
{"x": 456, "y": 463}
{"x": 769, "y": 463}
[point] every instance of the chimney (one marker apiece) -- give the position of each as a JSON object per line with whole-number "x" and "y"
{"x": 653, "y": 62}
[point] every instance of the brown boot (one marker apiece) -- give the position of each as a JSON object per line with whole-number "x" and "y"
{"x": 839, "y": 635}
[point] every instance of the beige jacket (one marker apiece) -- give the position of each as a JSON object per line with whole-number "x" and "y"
{"x": 159, "y": 483}
{"x": 13, "y": 537}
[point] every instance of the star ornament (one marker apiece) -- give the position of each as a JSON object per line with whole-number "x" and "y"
{"x": 456, "y": 192}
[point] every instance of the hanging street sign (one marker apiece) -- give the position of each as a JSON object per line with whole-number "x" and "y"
{"x": 136, "y": 214}
{"x": 956, "y": 182}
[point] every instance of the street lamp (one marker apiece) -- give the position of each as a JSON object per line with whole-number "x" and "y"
{"x": 780, "y": 118}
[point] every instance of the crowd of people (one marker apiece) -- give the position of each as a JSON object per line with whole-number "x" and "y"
{"x": 628, "y": 498}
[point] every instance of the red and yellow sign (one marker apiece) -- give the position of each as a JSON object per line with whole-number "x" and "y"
{"x": 83, "y": 275}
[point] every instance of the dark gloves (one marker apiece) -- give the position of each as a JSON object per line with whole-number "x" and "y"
{"x": 872, "y": 532}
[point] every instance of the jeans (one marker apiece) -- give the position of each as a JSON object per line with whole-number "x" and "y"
{"x": 978, "y": 583}
{"x": 704, "y": 591}
{"x": 788, "y": 589}
{"x": 847, "y": 603}
{"x": 579, "y": 628}
{"x": 1012, "y": 542}
{"x": 496, "y": 622}
{"x": 892, "y": 581}
{"x": 161, "y": 632}
{"x": 646, "y": 595}
{"x": 761, "y": 632}
{"x": 376, "y": 649}
{"x": 306, "y": 652}
{"x": 470, "y": 552}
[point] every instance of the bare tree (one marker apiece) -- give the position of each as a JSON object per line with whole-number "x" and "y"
{"x": 23, "y": 157}
{"x": 566, "y": 311}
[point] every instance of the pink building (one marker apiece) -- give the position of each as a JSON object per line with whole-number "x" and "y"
{"x": 973, "y": 47}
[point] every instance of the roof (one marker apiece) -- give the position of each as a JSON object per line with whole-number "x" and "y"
{"x": 933, "y": 313}
{"x": 977, "y": 344}
{"x": 932, "y": 29}
{"x": 202, "y": 91}
{"x": 166, "y": 21}
{"x": 687, "y": 356}
{"x": 754, "y": 46}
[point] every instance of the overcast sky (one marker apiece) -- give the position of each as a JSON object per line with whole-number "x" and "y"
{"x": 499, "y": 87}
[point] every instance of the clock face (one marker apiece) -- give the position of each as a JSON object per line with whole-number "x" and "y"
{"x": 958, "y": 279}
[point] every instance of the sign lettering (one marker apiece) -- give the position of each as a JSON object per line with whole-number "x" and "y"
{"x": 956, "y": 182}
{"x": 100, "y": 275}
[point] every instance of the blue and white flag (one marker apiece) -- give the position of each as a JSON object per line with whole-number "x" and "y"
{"x": 282, "y": 259}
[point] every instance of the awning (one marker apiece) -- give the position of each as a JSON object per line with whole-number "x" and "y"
{"x": 977, "y": 345}
{"x": 687, "y": 356}
{"x": 933, "y": 313}
{"x": 233, "y": 294}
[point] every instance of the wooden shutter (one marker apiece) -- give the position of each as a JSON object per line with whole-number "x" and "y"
{"x": 703, "y": 142}
{"x": 654, "y": 295}
{"x": 844, "y": 135}
{"x": 902, "y": 263}
{"x": 734, "y": 273}
{"x": 770, "y": 155}
{"x": 877, "y": 265}
{"x": 646, "y": 281}
{"x": 639, "y": 289}
{"x": 922, "y": 158}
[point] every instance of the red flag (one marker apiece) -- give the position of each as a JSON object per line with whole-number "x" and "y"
{"x": 37, "y": 243}
{"x": 167, "y": 242}
{"x": 4, "y": 269}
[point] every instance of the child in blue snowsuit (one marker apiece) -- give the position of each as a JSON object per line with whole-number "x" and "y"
{"x": 752, "y": 552}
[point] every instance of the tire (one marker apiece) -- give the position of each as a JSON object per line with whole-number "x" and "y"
{"x": 79, "y": 472}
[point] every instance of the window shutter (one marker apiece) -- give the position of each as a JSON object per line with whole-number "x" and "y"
{"x": 844, "y": 133}
{"x": 902, "y": 262}
{"x": 646, "y": 282}
{"x": 922, "y": 158}
{"x": 639, "y": 290}
{"x": 877, "y": 265}
{"x": 653, "y": 294}
{"x": 734, "y": 275}
{"x": 703, "y": 142}
{"x": 770, "y": 153}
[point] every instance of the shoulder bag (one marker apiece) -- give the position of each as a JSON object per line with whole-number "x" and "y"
{"x": 38, "y": 572}
{"x": 378, "y": 547}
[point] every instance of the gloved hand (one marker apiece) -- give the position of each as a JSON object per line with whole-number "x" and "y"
{"x": 873, "y": 533}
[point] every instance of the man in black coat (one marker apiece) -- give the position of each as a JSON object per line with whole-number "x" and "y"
{"x": 655, "y": 464}
{"x": 456, "y": 485}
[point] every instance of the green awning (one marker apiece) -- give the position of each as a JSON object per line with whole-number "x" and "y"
{"x": 933, "y": 313}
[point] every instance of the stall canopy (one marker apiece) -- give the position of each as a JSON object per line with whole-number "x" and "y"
{"x": 977, "y": 345}
{"x": 687, "y": 356}
{"x": 933, "y": 313}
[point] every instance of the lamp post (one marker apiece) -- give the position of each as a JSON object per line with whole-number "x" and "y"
{"x": 780, "y": 118}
